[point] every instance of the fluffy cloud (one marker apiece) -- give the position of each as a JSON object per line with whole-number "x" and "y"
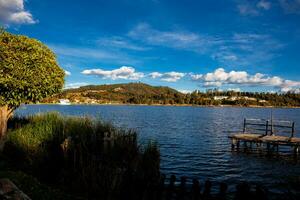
{"x": 155, "y": 75}
{"x": 292, "y": 90}
{"x": 220, "y": 77}
{"x": 67, "y": 73}
{"x": 234, "y": 89}
{"x": 168, "y": 76}
{"x": 263, "y": 4}
{"x": 172, "y": 76}
{"x": 252, "y": 8}
{"x": 185, "y": 91}
{"x": 13, "y": 12}
{"x": 124, "y": 72}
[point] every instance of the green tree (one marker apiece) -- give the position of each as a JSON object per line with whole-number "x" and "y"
{"x": 28, "y": 73}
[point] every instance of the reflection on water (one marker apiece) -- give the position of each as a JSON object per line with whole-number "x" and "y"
{"x": 194, "y": 140}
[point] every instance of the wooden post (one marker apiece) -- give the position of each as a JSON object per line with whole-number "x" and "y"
{"x": 195, "y": 189}
{"x": 296, "y": 149}
{"x": 293, "y": 129}
{"x": 207, "y": 190}
{"x": 181, "y": 193}
{"x": 267, "y": 127}
{"x": 222, "y": 191}
{"x": 171, "y": 188}
{"x": 232, "y": 143}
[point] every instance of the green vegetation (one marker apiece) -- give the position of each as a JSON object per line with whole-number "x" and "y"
{"x": 82, "y": 156}
{"x": 32, "y": 187}
{"x": 140, "y": 93}
{"x": 135, "y": 93}
{"x": 28, "y": 73}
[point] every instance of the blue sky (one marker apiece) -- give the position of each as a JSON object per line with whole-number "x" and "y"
{"x": 248, "y": 45}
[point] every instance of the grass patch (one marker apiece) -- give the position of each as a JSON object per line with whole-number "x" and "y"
{"x": 83, "y": 156}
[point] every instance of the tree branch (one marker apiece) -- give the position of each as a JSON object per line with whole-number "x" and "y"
{"x": 10, "y": 112}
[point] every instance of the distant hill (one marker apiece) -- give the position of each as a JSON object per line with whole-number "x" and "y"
{"x": 141, "y": 93}
{"x": 136, "y": 93}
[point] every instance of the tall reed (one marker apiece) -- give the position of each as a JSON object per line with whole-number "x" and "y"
{"x": 82, "y": 155}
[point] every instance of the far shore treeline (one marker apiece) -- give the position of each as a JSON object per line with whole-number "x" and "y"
{"x": 140, "y": 93}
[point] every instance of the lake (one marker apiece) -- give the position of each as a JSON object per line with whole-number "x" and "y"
{"x": 194, "y": 140}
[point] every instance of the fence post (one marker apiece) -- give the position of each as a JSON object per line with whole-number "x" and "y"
{"x": 222, "y": 192}
{"x": 207, "y": 189}
{"x": 171, "y": 188}
{"x": 267, "y": 127}
{"x": 196, "y": 190}
{"x": 182, "y": 188}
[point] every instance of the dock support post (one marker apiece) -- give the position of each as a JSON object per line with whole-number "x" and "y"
{"x": 238, "y": 144}
{"x": 296, "y": 150}
{"x": 268, "y": 147}
{"x": 233, "y": 142}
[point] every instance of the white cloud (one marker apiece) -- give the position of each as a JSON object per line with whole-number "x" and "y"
{"x": 75, "y": 85}
{"x": 155, "y": 75}
{"x": 172, "y": 76}
{"x": 178, "y": 39}
{"x": 234, "y": 89}
{"x": 67, "y": 73}
{"x": 243, "y": 49}
{"x": 185, "y": 91}
{"x": 124, "y": 72}
{"x": 292, "y": 90}
{"x": 263, "y": 4}
{"x": 252, "y": 8}
{"x": 13, "y": 12}
{"x": 168, "y": 76}
{"x": 196, "y": 76}
{"x": 220, "y": 77}
{"x": 247, "y": 9}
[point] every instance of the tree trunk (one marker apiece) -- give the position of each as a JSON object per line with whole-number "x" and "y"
{"x": 4, "y": 115}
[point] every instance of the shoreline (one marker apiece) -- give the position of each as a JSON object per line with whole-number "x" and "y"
{"x": 170, "y": 105}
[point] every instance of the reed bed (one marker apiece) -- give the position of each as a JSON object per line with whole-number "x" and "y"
{"x": 83, "y": 156}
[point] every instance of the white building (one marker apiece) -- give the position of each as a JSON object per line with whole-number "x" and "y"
{"x": 220, "y": 97}
{"x": 64, "y": 101}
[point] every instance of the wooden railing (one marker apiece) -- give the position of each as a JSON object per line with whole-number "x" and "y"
{"x": 268, "y": 127}
{"x": 174, "y": 189}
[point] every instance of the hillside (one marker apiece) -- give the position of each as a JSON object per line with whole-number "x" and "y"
{"x": 140, "y": 93}
{"x": 136, "y": 93}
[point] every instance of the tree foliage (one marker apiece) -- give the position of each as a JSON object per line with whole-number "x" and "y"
{"x": 28, "y": 70}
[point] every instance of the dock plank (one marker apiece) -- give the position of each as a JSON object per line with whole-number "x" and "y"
{"x": 268, "y": 139}
{"x": 246, "y": 136}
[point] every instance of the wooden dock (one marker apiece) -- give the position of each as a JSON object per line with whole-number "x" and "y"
{"x": 269, "y": 133}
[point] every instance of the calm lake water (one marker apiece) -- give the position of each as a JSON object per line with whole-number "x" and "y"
{"x": 194, "y": 140}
